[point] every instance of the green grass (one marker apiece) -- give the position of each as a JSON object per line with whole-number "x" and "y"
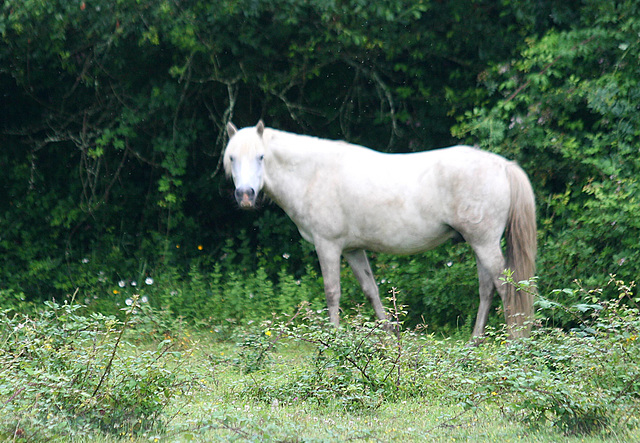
{"x": 218, "y": 411}
{"x": 67, "y": 377}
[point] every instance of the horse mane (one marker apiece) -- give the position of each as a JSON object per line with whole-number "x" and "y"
{"x": 308, "y": 143}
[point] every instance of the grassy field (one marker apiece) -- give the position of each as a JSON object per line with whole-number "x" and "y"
{"x": 69, "y": 377}
{"x": 221, "y": 411}
{"x": 221, "y": 408}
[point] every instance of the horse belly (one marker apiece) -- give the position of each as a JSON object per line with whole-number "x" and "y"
{"x": 398, "y": 235}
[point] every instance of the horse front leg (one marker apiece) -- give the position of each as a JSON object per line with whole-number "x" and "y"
{"x": 329, "y": 257}
{"x": 362, "y": 270}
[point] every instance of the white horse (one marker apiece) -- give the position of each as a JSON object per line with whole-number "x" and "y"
{"x": 346, "y": 199}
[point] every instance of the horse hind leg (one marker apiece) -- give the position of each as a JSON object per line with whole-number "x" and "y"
{"x": 486, "y": 288}
{"x": 490, "y": 263}
{"x": 362, "y": 270}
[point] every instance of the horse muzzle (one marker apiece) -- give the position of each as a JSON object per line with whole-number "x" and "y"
{"x": 246, "y": 198}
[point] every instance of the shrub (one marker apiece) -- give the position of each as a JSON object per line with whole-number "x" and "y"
{"x": 581, "y": 381}
{"x": 65, "y": 374}
{"x": 356, "y": 367}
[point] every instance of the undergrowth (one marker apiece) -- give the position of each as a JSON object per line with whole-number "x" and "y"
{"x": 578, "y": 382}
{"x": 65, "y": 374}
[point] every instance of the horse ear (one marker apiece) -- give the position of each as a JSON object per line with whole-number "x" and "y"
{"x": 231, "y": 129}
{"x": 260, "y": 128}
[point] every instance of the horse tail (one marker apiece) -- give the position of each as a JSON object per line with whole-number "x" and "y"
{"x": 521, "y": 239}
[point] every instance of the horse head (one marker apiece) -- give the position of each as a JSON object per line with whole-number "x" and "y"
{"x": 244, "y": 162}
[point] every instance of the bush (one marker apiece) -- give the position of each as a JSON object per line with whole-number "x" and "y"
{"x": 65, "y": 374}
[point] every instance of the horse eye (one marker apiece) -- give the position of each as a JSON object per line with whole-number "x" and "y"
{"x": 260, "y": 157}
{"x": 232, "y": 158}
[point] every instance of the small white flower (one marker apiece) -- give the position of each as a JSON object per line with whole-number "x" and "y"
{"x": 144, "y": 299}
{"x": 148, "y": 281}
{"x": 122, "y": 283}
{"x": 133, "y": 283}
{"x": 128, "y": 302}
{"x": 85, "y": 260}
{"x": 286, "y": 256}
{"x": 449, "y": 263}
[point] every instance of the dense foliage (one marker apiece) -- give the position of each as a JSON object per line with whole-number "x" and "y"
{"x": 568, "y": 109}
{"x": 112, "y": 129}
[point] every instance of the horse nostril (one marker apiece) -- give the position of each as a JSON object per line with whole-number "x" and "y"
{"x": 245, "y": 197}
{"x": 242, "y": 192}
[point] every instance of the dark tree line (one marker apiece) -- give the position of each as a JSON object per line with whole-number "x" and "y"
{"x": 113, "y": 115}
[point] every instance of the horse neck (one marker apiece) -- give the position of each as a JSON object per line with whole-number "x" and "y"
{"x": 293, "y": 162}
